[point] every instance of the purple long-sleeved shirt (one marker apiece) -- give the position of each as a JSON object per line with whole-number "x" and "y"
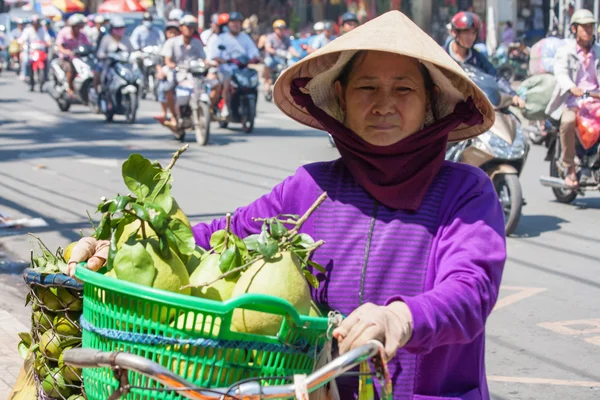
{"x": 444, "y": 261}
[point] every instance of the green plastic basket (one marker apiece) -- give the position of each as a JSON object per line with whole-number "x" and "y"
{"x": 190, "y": 336}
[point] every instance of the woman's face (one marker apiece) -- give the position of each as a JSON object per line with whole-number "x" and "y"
{"x": 385, "y": 99}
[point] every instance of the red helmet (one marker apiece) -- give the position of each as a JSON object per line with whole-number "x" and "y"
{"x": 465, "y": 20}
{"x": 223, "y": 19}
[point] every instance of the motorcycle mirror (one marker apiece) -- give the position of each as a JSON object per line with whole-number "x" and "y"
{"x": 221, "y": 47}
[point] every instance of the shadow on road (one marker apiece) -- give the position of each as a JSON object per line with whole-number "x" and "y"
{"x": 583, "y": 203}
{"x": 535, "y": 225}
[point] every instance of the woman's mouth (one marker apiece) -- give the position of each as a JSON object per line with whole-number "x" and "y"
{"x": 382, "y": 127}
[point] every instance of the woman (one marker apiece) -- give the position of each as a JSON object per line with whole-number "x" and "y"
{"x": 414, "y": 245}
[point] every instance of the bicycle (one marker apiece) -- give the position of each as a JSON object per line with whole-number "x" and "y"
{"x": 248, "y": 389}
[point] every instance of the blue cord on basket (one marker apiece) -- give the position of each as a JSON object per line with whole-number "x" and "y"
{"x": 300, "y": 347}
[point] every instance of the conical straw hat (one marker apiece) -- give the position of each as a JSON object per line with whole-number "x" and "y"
{"x": 391, "y": 32}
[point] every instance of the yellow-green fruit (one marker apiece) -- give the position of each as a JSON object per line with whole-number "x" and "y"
{"x": 54, "y": 385}
{"x": 70, "y": 301}
{"x": 41, "y": 320}
{"x": 71, "y": 374}
{"x": 112, "y": 273}
{"x": 48, "y": 298}
{"x": 50, "y": 344}
{"x": 280, "y": 277}
{"x": 40, "y": 365}
{"x": 207, "y": 327}
{"x": 66, "y": 326}
{"x": 195, "y": 259}
{"x": 76, "y": 397}
{"x": 177, "y": 213}
{"x": 208, "y": 271}
{"x": 68, "y": 251}
{"x": 314, "y": 310}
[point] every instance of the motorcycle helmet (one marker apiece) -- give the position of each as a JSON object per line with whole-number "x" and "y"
{"x": 117, "y": 22}
{"x": 236, "y": 16}
{"x": 319, "y": 26}
{"x": 175, "y": 14}
{"x": 349, "y": 17}
{"x": 189, "y": 21}
{"x": 99, "y": 19}
{"x": 214, "y": 19}
{"x": 76, "y": 19}
{"x": 279, "y": 24}
{"x": 35, "y": 19}
{"x": 583, "y": 17}
{"x": 172, "y": 25}
{"x": 327, "y": 26}
{"x": 465, "y": 20}
{"x": 223, "y": 19}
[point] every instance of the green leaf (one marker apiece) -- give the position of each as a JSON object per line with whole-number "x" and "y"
{"x": 26, "y": 338}
{"x": 103, "y": 230}
{"x": 134, "y": 264}
{"x": 163, "y": 246}
{"x": 311, "y": 279}
{"x": 161, "y": 193}
{"x": 277, "y": 229}
{"x": 316, "y": 266}
{"x": 251, "y": 242}
{"x": 119, "y": 225}
{"x": 305, "y": 241}
{"x": 217, "y": 240}
{"x": 267, "y": 246}
{"x": 62, "y": 267}
{"x": 140, "y": 211}
{"x": 105, "y": 206}
{"x": 23, "y": 350}
{"x": 158, "y": 218}
{"x": 230, "y": 259}
{"x": 239, "y": 244}
{"x": 112, "y": 250}
{"x": 119, "y": 204}
{"x": 140, "y": 175}
{"x": 182, "y": 237}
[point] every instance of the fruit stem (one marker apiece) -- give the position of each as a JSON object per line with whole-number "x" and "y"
{"x": 227, "y": 229}
{"x": 283, "y": 221}
{"x": 313, "y": 248}
{"x": 226, "y": 274}
{"x": 176, "y": 156}
{"x": 307, "y": 214}
{"x": 91, "y": 221}
{"x": 40, "y": 243}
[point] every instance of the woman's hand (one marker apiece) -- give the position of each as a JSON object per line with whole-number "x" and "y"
{"x": 392, "y": 325}
{"x": 95, "y": 252}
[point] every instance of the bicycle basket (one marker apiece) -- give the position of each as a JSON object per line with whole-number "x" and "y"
{"x": 191, "y": 336}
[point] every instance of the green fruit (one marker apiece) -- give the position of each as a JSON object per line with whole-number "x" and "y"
{"x": 177, "y": 213}
{"x": 71, "y": 374}
{"x": 50, "y": 344}
{"x": 54, "y": 385}
{"x": 48, "y": 298}
{"x": 76, "y": 397}
{"x": 40, "y": 365}
{"x": 195, "y": 259}
{"x": 66, "y": 326}
{"x": 280, "y": 277}
{"x": 69, "y": 251}
{"x": 208, "y": 271}
{"x": 42, "y": 321}
{"x": 70, "y": 301}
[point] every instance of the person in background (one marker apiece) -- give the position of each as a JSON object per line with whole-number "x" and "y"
{"x": 509, "y": 35}
{"x": 318, "y": 27}
{"x": 212, "y": 31}
{"x": 146, "y": 34}
{"x": 3, "y": 46}
{"x": 175, "y": 15}
{"x": 93, "y": 32}
{"x": 349, "y": 22}
{"x": 110, "y": 43}
{"x": 69, "y": 38}
{"x": 277, "y": 46}
{"x": 179, "y": 50}
{"x": 31, "y": 34}
{"x": 171, "y": 30}
{"x": 322, "y": 39}
{"x": 15, "y": 34}
{"x": 48, "y": 28}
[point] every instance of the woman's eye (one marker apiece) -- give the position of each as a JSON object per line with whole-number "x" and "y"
{"x": 404, "y": 89}
{"x": 367, "y": 87}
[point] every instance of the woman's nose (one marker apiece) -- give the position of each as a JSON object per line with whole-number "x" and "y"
{"x": 384, "y": 104}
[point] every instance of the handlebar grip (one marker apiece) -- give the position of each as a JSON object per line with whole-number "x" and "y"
{"x": 82, "y": 358}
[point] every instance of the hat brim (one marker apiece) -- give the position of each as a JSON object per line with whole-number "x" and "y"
{"x": 382, "y": 34}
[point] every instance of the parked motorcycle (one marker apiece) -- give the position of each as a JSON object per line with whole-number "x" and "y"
{"x": 192, "y": 97}
{"x": 282, "y": 58}
{"x": 36, "y": 68}
{"x": 501, "y": 152}
{"x": 84, "y": 62}
{"x": 14, "y": 56}
{"x": 587, "y": 152}
{"x": 146, "y": 60}
{"x": 244, "y": 92}
{"x": 120, "y": 92}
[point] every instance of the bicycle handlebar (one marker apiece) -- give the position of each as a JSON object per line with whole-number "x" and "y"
{"x": 88, "y": 358}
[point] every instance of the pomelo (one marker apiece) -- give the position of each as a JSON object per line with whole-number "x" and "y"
{"x": 206, "y": 272}
{"x": 50, "y": 344}
{"x": 195, "y": 259}
{"x": 281, "y": 277}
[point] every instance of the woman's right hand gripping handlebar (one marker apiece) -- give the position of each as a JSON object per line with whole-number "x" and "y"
{"x": 95, "y": 252}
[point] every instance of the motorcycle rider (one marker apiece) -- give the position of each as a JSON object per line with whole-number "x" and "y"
{"x": 114, "y": 42}
{"x": 171, "y": 30}
{"x": 236, "y": 44}
{"x": 349, "y": 22}
{"x": 276, "y": 48}
{"x": 212, "y": 31}
{"x": 178, "y": 51}
{"x": 69, "y": 38}
{"x": 31, "y": 34}
{"x": 323, "y": 38}
{"x": 576, "y": 71}
{"x": 175, "y": 15}
{"x": 93, "y": 32}
{"x": 147, "y": 34}
{"x": 15, "y": 34}
{"x": 465, "y": 30}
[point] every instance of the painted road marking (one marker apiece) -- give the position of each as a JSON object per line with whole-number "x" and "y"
{"x": 594, "y": 340}
{"x": 543, "y": 381}
{"x": 522, "y": 293}
{"x": 565, "y": 327}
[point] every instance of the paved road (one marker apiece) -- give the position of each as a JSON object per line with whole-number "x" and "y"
{"x": 543, "y": 338}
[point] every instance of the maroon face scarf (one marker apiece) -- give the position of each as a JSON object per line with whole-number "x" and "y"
{"x": 399, "y": 175}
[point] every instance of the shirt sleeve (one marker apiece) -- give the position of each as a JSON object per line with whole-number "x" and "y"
{"x": 468, "y": 259}
{"x": 212, "y": 48}
{"x": 103, "y": 47}
{"x": 167, "y": 49}
{"x": 251, "y": 49}
{"x": 135, "y": 38}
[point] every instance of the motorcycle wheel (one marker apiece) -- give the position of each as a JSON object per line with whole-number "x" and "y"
{"x": 41, "y": 77}
{"x": 248, "y": 114}
{"x": 510, "y": 194}
{"x": 63, "y": 104}
{"x": 564, "y": 196}
{"x": 132, "y": 107}
{"x": 201, "y": 120}
{"x": 269, "y": 95}
{"x": 31, "y": 75}
{"x": 223, "y": 124}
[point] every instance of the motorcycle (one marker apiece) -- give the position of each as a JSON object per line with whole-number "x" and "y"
{"x": 512, "y": 61}
{"x": 14, "y": 56}
{"x": 587, "y": 159}
{"x": 244, "y": 92}
{"x": 84, "y": 62}
{"x": 192, "y": 97}
{"x": 120, "y": 94}
{"x": 282, "y": 59}
{"x": 36, "y": 68}
{"x": 146, "y": 61}
{"x": 501, "y": 152}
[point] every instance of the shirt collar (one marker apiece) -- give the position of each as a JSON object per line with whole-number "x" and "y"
{"x": 456, "y": 57}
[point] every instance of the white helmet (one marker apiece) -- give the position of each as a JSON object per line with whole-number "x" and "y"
{"x": 117, "y": 22}
{"x": 319, "y": 26}
{"x": 175, "y": 14}
{"x": 76, "y": 19}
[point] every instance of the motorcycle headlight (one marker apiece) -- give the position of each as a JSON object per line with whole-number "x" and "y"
{"x": 254, "y": 81}
{"x": 148, "y": 62}
{"x": 500, "y": 148}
